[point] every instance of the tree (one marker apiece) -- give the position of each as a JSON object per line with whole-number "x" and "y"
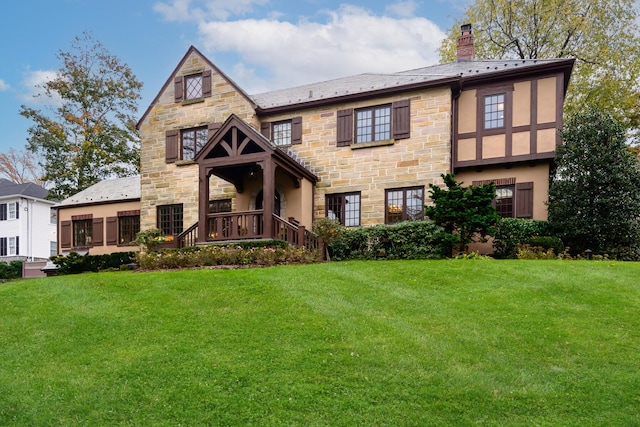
{"x": 594, "y": 198}
{"x": 21, "y": 167}
{"x": 464, "y": 212}
{"x": 602, "y": 35}
{"x": 89, "y": 133}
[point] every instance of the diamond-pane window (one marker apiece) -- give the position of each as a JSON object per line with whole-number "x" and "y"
{"x": 193, "y": 86}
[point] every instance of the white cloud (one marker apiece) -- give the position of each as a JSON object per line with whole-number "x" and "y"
{"x": 403, "y": 9}
{"x": 182, "y": 10}
{"x": 351, "y": 41}
{"x": 34, "y": 93}
{"x": 4, "y": 86}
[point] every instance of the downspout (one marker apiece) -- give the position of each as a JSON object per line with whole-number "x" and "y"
{"x": 456, "y": 91}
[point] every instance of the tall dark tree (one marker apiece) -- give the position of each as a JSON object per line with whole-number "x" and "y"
{"x": 466, "y": 213}
{"x": 594, "y": 198}
{"x": 88, "y": 132}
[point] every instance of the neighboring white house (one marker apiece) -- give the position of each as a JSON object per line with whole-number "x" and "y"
{"x": 27, "y": 222}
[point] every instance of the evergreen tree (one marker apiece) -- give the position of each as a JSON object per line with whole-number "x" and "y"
{"x": 594, "y": 198}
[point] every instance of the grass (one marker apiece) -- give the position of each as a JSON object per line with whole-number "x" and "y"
{"x": 398, "y": 343}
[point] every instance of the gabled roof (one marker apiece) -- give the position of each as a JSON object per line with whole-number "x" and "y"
{"x": 107, "y": 191}
{"x": 28, "y": 189}
{"x": 169, "y": 81}
{"x": 371, "y": 84}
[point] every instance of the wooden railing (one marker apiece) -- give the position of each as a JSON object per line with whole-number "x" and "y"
{"x": 235, "y": 226}
{"x": 248, "y": 225}
{"x": 188, "y": 237}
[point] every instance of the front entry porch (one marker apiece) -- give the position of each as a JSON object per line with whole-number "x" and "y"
{"x": 270, "y": 183}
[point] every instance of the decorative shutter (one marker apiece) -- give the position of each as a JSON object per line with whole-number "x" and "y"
{"x": 3, "y": 246}
{"x": 178, "y": 89}
{"x": 112, "y": 230}
{"x": 296, "y": 130}
{"x": 401, "y": 119}
{"x": 98, "y": 232}
{"x": 524, "y": 200}
{"x": 345, "y": 127}
{"x": 265, "y": 130}
{"x": 171, "y": 146}
{"x": 18, "y": 245}
{"x": 206, "y": 83}
{"x": 65, "y": 234}
{"x": 17, "y": 210}
{"x": 3, "y": 212}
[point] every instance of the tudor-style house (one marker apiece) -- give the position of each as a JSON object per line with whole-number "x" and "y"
{"x": 220, "y": 164}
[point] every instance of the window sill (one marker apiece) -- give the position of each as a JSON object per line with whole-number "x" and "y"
{"x": 383, "y": 143}
{"x": 192, "y": 101}
{"x": 185, "y": 162}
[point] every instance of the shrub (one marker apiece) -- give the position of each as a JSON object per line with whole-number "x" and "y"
{"x": 406, "y": 240}
{"x": 511, "y": 232}
{"x": 547, "y": 242}
{"x": 10, "y": 270}
{"x": 150, "y": 239}
{"x": 246, "y": 253}
{"x": 75, "y": 263}
{"x": 527, "y": 251}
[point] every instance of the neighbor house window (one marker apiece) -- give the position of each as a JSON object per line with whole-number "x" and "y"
{"x": 404, "y": 204}
{"x": 193, "y": 86}
{"x": 373, "y": 124}
{"x": 128, "y": 228}
{"x": 494, "y": 111}
{"x": 504, "y": 200}
{"x": 53, "y": 248}
{"x": 53, "y": 215}
{"x": 193, "y": 140}
{"x": 344, "y": 207}
{"x": 281, "y": 132}
{"x": 82, "y": 232}
{"x": 13, "y": 246}
{"x": 170, "y": 219}
{"x": 219, "y": 206}
{"x": 13, "y": 209}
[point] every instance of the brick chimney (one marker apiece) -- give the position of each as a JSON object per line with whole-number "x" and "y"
{"x": 466, "y": 48}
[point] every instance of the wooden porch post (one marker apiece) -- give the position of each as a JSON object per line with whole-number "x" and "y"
{"x": 268, "y": 191}
{"x": 203, "y": 204}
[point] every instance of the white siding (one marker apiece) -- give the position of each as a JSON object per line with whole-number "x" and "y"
{"x": 33, "y": 227}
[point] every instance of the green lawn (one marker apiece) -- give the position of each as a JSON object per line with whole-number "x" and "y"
{"x": 398, "y": 343}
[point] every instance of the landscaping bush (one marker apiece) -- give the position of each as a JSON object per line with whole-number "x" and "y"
{"x": 511, "y": 232}
{"x": 10, "y": 270}
{"x": 75, "y": 263}
{"x": 256, "y": 253}
{"x": 407, "y": 240}
{"x": 527, "y": 251}
{"x": 548, "y": 242}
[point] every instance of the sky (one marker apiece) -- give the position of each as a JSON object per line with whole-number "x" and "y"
{"x": 262, "y": 45}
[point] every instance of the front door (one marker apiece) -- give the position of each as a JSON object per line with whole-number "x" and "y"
{"x": 276, "y": 202}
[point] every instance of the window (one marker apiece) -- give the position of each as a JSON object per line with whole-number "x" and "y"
{"x": 170, "y": 219}
{"x": 53, "y": 216}
{"x": 282, "y": 133}
{"x": 376, "y": 123}
{"x": 219, "y": 206}
{"x": 404, "y": 204}
{"x": 53, "y": 248}
{"x": 82, "y": 232}
{"x": 344, "y": 207}
{"x": 13, "y": 208}
{"x": 13, "y": 246}
{"x": 193, "y": 140}
{"x": 193, "y": 86}
{"x": 128, "y": 228}
{"x": 494, "y": 111}
{"x": 504, "y": 200}
{"x": 373, "y": 124}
